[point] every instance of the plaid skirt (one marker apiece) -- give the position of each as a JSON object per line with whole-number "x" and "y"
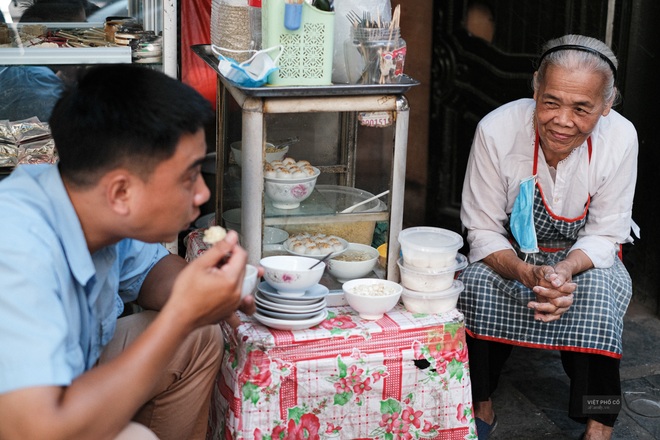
{"x": 495, "y": 308}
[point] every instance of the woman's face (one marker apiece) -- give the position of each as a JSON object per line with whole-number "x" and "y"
{"x": 568, "y": 106}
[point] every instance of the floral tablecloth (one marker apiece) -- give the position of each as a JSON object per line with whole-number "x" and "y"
{"x": 404, "y": 376}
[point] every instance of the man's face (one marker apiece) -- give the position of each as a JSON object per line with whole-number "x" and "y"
{"x": 168, "y": 202}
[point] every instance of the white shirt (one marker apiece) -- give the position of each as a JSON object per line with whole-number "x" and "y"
{"x": 502, "y": 155}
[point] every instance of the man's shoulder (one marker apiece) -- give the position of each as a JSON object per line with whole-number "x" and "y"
{"x": 29, "y": 201}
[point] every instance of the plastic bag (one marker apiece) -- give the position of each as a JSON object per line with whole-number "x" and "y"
{"x": 376, "y": 8}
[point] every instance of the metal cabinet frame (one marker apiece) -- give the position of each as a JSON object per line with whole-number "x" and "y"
{"x": 254, "y": 107}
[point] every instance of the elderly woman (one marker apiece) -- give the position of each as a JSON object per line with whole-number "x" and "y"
{"x": 547, "y": 203}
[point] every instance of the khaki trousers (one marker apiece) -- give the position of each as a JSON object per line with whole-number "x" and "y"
{"x": 179, "y": 406}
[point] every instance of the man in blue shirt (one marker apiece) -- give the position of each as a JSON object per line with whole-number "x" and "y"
{"x": 81, "y": 238}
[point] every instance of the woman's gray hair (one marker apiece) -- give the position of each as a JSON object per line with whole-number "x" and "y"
{"x": 593, "y": 57}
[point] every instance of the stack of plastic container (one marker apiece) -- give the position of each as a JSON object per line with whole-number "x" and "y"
{"x": 428, "y": 267}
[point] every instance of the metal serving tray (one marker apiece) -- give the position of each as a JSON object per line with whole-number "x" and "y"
{"x": 205, "y": 53}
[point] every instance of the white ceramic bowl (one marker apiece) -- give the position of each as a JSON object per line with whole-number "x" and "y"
{"x": 275, "y": 154}
{"x": 232, "y": 219}
{"x": 432, "y": 302}
{"x": 430, "y": 280}
{"x": 250, "y": 280}
{"x": 429, "y": 247}
{"x": 274, "y": 235}
{"x": 288, "y": 193}
{"x": 205, "y": 221}
{"x": 356, "y": 262}
{"x": 291, "y": 275}
{"x": 372, "y": 297}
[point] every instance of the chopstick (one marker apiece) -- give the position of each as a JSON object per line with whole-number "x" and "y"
{"x": 321, "y": 260}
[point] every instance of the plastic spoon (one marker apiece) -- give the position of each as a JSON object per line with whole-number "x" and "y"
{"x": 351, "y": 208}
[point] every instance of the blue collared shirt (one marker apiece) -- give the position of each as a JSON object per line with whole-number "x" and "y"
{"x": 58, "y": 303}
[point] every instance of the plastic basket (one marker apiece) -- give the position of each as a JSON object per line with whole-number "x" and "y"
{"x": 307, "y": 52}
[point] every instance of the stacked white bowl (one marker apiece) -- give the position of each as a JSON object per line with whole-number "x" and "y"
{"x": 428, "y": 267}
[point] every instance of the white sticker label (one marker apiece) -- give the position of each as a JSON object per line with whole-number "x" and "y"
{"x": 376, "y": 119}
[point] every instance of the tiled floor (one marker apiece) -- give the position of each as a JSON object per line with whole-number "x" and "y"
{"x": 531, "y": 399}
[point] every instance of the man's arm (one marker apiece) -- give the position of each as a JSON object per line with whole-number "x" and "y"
{"x": 100, "y": 402}
{"x": 157, "y": 286}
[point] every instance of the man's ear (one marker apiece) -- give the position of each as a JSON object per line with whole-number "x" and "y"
{"x": 119, "y": 185}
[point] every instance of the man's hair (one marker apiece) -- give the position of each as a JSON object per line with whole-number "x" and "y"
{"x": 123, "y": 115}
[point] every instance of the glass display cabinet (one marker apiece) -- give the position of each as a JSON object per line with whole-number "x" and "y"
{"x": 356, "y": 135}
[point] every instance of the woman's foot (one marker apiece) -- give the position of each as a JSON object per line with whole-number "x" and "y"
{"x": 485, "y": 419}
{"x": 597, "y": 431}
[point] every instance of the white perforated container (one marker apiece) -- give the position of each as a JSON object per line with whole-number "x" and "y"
{"x": 307, "y": 52}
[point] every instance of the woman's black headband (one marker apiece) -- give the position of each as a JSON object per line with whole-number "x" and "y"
{"x": 581, "y": 48}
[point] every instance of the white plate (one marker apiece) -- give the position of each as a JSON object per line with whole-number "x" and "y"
{"x": 344, "y": 244}
{"x": 294, "y": 308}
{"x": 286, "y": 316}
{"x": 315, "y": 292}
{"x": 287, "y": 308}
{"x": 288, "y": 301}
{"x": 282, "y": 324}
{"x": 276, "y": 309}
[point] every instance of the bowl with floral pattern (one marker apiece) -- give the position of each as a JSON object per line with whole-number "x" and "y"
{"x": 286, "y": 192}
{"x": 292, "y": 275}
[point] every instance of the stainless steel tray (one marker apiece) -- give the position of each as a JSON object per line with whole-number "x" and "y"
{"x": 205, "y": 53}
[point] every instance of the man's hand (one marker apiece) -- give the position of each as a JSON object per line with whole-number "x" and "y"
{"x": 208, "y": 290}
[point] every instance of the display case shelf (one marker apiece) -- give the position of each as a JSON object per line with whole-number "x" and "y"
{"x": 343, "y": 99}
{"x": 65, "y": 55}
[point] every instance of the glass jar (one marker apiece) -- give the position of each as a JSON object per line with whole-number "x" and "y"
{"x": 375, "y": 55}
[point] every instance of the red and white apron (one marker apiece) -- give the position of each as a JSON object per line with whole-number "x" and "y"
{"x": 495, "y": 308}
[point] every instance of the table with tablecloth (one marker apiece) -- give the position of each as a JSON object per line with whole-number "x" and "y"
{"x": 403, "y": 376}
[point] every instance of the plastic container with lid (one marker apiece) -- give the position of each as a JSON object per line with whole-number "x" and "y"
{"x": 430, "y": 280}
{"x": 429, "y": 247}
{"x": 432, "y": 302}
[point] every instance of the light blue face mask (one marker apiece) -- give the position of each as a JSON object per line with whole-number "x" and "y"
{"x": 252, "y": 72}
{"x": 521, "y": 222}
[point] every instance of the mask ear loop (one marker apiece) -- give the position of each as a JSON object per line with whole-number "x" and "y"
{"x": 277, "y": 57}
{"x": 216, "y": 50}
